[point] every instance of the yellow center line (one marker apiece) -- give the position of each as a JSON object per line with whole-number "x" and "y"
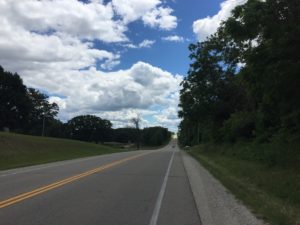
{"x": 26, "y": 195}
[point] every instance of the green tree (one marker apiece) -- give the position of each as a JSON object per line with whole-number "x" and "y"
{"x": 89, "y": 128}
{"x": 155, "y": 136}
{"x": 14, "y": 102}
{"x": 244, "y": 80}
{"x": 124, "y": 135}
{"x": 42, "y": 112}
{"x": 269, "y": 31}
{"x": 210, "y": 92}
{"x": 56, "y": 128}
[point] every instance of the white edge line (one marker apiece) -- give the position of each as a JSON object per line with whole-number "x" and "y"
{"x": 156, "y": 210}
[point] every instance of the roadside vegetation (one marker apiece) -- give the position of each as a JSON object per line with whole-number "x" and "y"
{"x": 243, "y": 81}
{"x": 240, "y": 107}
{"x": 271, "y": 192}
{"x": 17, "y": 150}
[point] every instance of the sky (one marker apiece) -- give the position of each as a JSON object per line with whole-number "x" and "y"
{"x": 116, "y": 59}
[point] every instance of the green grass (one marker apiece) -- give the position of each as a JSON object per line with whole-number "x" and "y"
{"x": 18, "y": 150}
{"x": 272, "y": 192}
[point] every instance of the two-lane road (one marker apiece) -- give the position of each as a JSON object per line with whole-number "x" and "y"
{"x": 132, "y": 188}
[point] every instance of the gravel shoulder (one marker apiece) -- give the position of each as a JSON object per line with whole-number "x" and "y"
{"x": 215, "y": 204}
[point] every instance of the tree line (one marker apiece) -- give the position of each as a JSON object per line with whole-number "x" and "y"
{"x": 243, "y": 83}
{"x": 28, "y": 111}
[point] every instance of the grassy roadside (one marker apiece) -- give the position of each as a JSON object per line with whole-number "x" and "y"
{"x": 272, "y": 192}
{"x": 18, "y": 150}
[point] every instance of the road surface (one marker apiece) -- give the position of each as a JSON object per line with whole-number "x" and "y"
{"x": 154, "y": 187}
{"x": 131, "y": 188}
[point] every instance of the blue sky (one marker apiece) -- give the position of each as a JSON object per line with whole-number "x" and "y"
{"x": 169, "y": 56}
{"x": 116, "y": 59}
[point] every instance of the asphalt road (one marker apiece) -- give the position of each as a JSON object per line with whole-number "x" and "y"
{"x": 133, "y": 188}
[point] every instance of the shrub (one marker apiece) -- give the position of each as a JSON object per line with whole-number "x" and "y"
{"x": 240, "y": 125}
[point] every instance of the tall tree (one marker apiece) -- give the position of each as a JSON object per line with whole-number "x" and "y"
{"x": 244, "y": 80}
{"x": 14, "y": 102}
{"x": 155, "y": 136}
{"x": 270, "y": 33}
{"x": 42, "y": 111}
{"x": 89, "y": 128}
{"x": 210, "y": 92}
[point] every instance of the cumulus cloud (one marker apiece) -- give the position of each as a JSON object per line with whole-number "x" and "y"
{"x": 51, "y": 34}
{"x": 53, "y": 49}
{"x": 131, "y": 10}
{"x": 19, "y": 47}
{"x": 92, "y": 20}
{"x": 161, "y": 18}
{"x": 144, "y": 44}
{"x": 123, "y": 117}
{"x": 173, "y": 38}
{"x": 111, "y": 62}
{"x": 152, "y": 13}
{"x": 115, "y": 95}
{"x": 209, "y": 25}
{"x": 168, "y": 118}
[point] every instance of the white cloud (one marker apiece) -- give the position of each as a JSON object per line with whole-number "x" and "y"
{"x": 111, "y": 95}
{"x": 152, "y": 13}
{"x": 21, "y": 48}
{"x": 131, "y": 10}
{"x": 52, "y": 49}
{"x": 209, "y": 25}
{"x": 111, "y": 62}
{"x": 59, "y": 101}
{"x": 88, "y": 21}
{"x": 116, "y": 95}
{"x": 144, "y": 44}
{"x": 123, "y": 117}
{"x": 92, "y": 20}
{"x": 160, "y": 17}
{"x": 174, "y": 38}
{"x": 168, "y": 118}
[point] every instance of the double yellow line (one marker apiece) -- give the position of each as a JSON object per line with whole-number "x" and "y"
{"x": 26, "y": 195}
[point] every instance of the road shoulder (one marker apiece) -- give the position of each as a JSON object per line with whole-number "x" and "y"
{"x": 215, "y": 204}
